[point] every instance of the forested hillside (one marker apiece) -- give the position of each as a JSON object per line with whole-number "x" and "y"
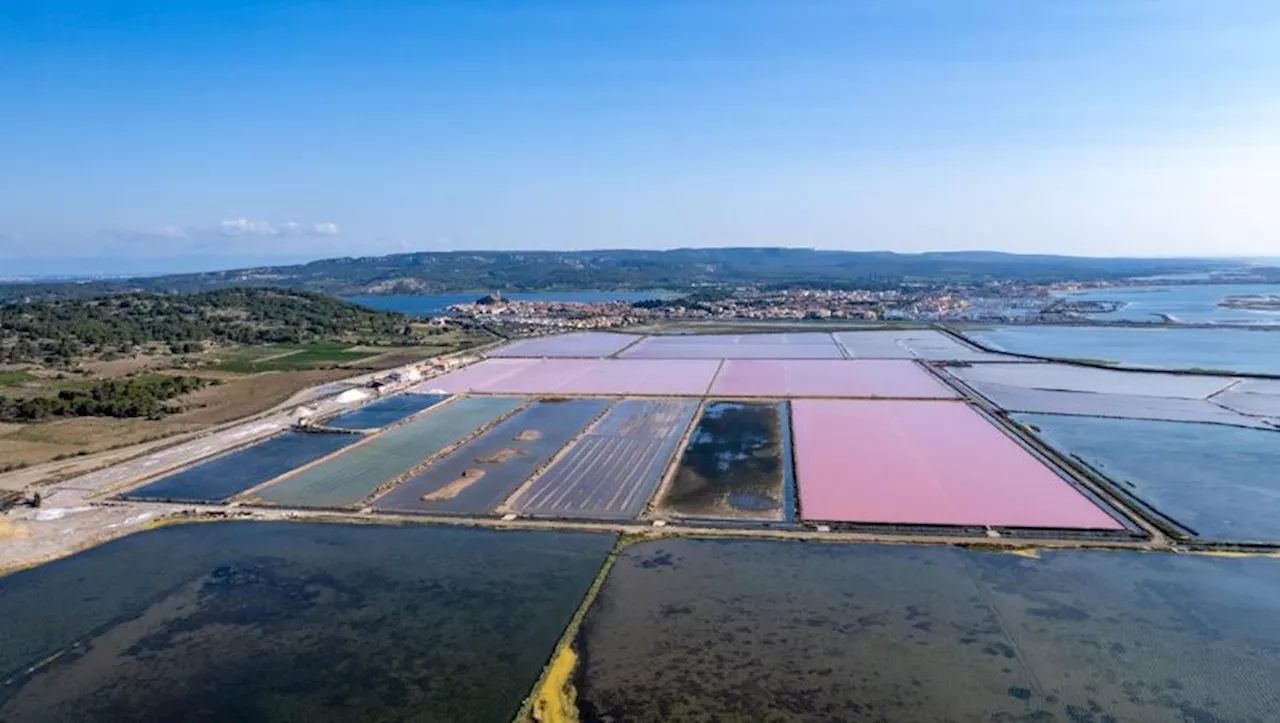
{"x": 60, "y": 330}
{"x": 460, "y": 271}
{"x": 142, "y": 396}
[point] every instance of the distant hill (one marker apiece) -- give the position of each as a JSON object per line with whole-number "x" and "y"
{"x": 466, "y": 271}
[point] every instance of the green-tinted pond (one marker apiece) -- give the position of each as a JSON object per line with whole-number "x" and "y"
{"x": 241, "y": 621}
{"x": 705, "y": 630}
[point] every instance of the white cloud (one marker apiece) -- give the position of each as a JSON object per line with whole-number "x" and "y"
{"x": 250, "y": 227}
{"x": 246, "y": 227}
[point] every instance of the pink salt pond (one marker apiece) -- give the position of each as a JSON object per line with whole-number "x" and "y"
{"x": 926, "y": 463}
{"x": 580, "y": 344}
{"x": 889, "y": 378}
{"x": 680, "y": 377}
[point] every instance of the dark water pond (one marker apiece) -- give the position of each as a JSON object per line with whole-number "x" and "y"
{"x": 243, "y": 621}
{"x": 733, "y": 465}
{"x": 703, "y": 630}
{"x": 1221, "y": 483}
{"x": 230, "y": 474}
{"x": 385, "y": 411}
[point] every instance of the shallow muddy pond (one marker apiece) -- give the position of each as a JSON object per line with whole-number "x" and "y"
{"x": 244, "y": 621}
{"x": 733, "y": 466}
{"x": 718, "y": 630}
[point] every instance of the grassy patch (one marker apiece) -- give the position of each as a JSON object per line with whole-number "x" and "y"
{"x": 10, "y": 379}
{"x": 291, "y": 357}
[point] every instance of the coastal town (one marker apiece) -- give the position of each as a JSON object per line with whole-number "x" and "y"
{"x": 994, "y": 302}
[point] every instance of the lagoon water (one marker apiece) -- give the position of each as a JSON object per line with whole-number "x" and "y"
{"x": 259, "y": 621}
{"x": 436, "y": 304}
{"x": 1250, "y": 351}
{"x": 1196, "y": 304}
{"x": 719, "y": 630}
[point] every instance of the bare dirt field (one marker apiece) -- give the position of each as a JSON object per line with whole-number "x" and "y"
{"x": 400, "y": 357}
{"x": 128, "y": 365}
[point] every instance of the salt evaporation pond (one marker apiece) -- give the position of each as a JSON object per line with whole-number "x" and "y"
{"x": 732, "y": 466}
{"x": 1221, "y": 483}
{"x": 888, "y": 378}
{"x": 1132, "y": 406}
{"x": 580, "y": 344}
{"x": 257, "y": 621}
{"x": 1073, "y": 378}
{"x": 228, "y": 475}
{"x": 908, "y": 344}
{"x": 1250, "y": 351}
{"x": 926, "y": 463}
{"x": 610, "y": 472}
{"x": 353, "y": 476}
{"x": 736, "y": 346}
{"x": 710, "y": 630}
{"x": 478, "y": 476}
{"x": 385, "y": 411}
{"x": 685, "y": 377}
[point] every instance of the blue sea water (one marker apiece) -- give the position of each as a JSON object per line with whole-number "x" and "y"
{"x": 435, "y": 305}
{"x": 1194, "y": 304}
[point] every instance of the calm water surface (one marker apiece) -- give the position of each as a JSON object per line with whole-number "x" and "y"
{"x": 226, "y": 476}
{"x": 702, "y": 630}
{"x": 245, "y": 621}
{"x": 1222, "y": 483}
{"x": 434, "y": 305}
{"x": 478, "y": 476}
{"x": 1190, "y": 304}
{"x": 385, "y": 412}
{"x": 1236, "y": 350}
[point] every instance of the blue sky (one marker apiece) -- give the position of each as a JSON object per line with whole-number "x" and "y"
{"x": 180, "y": 133}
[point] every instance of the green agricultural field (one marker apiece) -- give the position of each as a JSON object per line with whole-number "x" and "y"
{"x": 292, "y": 357}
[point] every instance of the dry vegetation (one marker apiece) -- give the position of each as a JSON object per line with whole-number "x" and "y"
{"x": 239, "y": 396}
{"x": 251, "y": 379}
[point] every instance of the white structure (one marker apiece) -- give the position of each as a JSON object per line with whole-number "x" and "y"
{"x": 351, "y": 396}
